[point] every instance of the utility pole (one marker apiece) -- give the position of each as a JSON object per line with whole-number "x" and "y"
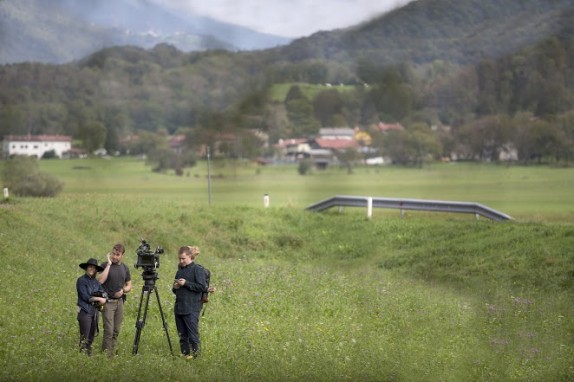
{"x": 208, "y": 177}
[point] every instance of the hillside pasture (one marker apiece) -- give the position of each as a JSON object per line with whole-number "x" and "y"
{"x": 279, "y": 91}
{"x": 301, "y": 296}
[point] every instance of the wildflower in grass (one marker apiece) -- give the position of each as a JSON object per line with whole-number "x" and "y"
{"x": 531, "y": 353}
{"x": 262, "y": 327}
{"x": 500, "y": 342}
{"x": 491, "y": 308}
{"x": 528, "y": 335}
{"x": 521, "y": 301}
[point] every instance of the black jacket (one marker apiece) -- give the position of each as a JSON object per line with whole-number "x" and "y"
{"x": 188, "y": 297}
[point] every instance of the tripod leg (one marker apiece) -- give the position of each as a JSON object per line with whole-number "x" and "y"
{"x": 163, "y": 320}
{"x": 140, "y": 322}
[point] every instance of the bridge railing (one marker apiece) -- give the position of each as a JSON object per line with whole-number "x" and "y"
{"x": 409, "y": 204}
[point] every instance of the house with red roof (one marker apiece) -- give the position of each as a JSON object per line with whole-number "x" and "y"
{"x": 333, "y": 144}
{"x": 386, "y": 127}
{"x": 177, "y": 143}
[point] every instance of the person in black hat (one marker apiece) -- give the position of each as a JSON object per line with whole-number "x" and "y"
{"x": 91, "y": 296}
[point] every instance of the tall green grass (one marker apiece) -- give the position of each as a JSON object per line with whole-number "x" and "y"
{"x": 301, "y": 296}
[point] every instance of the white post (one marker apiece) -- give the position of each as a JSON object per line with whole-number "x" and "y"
{"x": 369, "y": 207}
{"x": 6, "y": 193}
{"x": 265, "y": 200}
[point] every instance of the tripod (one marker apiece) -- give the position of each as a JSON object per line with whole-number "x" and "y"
{"x": 149, "y": 287}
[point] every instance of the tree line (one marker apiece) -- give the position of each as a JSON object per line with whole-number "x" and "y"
{"x": 522, "y": 101}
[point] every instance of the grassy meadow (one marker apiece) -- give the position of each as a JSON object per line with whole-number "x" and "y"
{"x": 280, "y": 91}
{"x": 301, "y": 296}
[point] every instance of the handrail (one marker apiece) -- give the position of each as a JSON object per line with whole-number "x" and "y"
{"x": 409, "y": 204}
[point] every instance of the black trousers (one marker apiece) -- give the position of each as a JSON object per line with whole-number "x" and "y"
{"x": 88, "y": 327}
{"x": 188, "y": 331}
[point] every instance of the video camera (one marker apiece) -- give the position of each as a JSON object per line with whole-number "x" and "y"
{"x": 148, "y": 259}
{"x": 99, "y": 306}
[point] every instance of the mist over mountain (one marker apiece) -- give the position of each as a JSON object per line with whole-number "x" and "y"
{"x": 58, "y": 31}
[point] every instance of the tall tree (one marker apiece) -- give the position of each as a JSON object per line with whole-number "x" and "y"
{"x": 300, "y": 113}
{"x": 487, "y": 137}
{"x": 93, "y": 135}
{"x": 327, "y": 105}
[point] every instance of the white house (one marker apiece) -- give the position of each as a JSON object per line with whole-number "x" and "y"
{"x": 35, "y": 145}
{"x": 292, "y": 149}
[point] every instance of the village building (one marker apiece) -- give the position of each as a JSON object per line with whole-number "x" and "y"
{"x": 321, "y": 150}
{"x": 292, "y": 149}
{"x": 177, "y": 143}
{"x": 386, "y": 127}
{"x": 36, "y": 145}
{"x": 336, "y": 133}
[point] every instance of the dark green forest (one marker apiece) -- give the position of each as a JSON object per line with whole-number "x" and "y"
{"x": 467, "y": 77}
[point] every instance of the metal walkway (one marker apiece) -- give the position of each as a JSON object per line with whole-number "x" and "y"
{"x": 409, "y": 204}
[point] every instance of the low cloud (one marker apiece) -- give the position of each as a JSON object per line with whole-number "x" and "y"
{"x": 295, "y": 18}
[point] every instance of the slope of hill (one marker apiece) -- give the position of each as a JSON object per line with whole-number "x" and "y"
{"x": 462, "y": 31}
{"x": 57, "y": 31}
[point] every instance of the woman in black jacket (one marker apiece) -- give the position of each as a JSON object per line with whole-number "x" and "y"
{"x": 91, "y": 297}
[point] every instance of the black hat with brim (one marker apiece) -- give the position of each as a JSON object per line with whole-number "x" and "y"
{"x": 93, "y": 262}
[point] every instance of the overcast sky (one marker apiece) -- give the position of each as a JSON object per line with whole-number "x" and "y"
{"x": 289, "y": 18}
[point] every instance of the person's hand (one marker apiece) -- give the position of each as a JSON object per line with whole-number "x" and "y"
{"x": 178, "y": 283}
{"x": 119, "y": 293}
{"x": 211, "y": 289}
{"x": 101, "y": 300}
{"x": 109, "y": 259}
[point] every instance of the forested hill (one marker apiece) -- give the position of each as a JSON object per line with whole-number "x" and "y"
{"x": 461, "y": 31}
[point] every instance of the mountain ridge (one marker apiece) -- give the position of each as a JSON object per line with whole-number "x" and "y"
{"x": 60, "y": 31}
{"x": 422, "y": 31}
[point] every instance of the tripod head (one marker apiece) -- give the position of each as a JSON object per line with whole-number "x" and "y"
{"x": 149, "y": 277}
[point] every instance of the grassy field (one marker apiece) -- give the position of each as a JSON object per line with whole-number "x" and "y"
{"x": 301, "y": 296}
{"x": 525, "y": 193}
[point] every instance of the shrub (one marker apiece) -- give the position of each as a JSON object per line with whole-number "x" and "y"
{"x": 51, "y": 154}
{"x": 21, "y": 175}
{"x": 304, "y": 166}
